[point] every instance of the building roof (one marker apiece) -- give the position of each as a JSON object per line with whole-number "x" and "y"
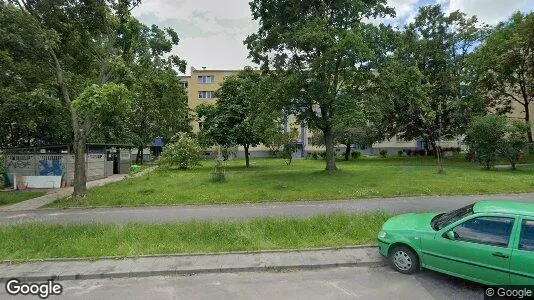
{"x": 506, "y": 207}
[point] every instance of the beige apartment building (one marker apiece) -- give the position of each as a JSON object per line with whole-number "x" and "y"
{"x": 202, "y": 84}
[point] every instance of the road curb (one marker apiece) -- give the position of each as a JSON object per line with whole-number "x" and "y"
{"x": 191, "y": 272}
{"x": 194, "y": 264}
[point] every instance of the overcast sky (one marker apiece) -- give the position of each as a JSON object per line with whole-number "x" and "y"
{"x": 212, "y": 31}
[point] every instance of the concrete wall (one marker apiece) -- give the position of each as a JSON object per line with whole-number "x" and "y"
{"x": 55, "y": 165}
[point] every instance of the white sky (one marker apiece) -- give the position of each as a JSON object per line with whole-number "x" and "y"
{"x": 212, "y": 31}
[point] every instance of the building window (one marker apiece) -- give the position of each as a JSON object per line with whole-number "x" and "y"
{"x": 206, "y": 79}
{"x": 206, "y": 95}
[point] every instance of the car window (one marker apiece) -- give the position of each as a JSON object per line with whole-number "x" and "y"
{"x": 526, "y": 240}
{"x": 493, "y": 231}
{"x": 446, "y": 219}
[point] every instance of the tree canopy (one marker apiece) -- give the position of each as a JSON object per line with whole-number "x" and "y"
{"x": 322, "y": 50}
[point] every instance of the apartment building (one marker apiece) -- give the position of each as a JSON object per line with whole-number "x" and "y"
{"x": 202, "y": 84}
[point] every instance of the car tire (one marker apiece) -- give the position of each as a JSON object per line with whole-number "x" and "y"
{"x": 404, "y": 259}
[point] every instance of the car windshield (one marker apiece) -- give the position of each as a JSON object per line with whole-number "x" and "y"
{"x": 442, "y": 220}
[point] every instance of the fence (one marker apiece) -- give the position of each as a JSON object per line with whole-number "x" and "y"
{"x": 54, "y": 165}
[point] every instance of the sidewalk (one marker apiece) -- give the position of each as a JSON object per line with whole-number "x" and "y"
{"x": 166, "y": 265}
{"x": 38, "y": 202}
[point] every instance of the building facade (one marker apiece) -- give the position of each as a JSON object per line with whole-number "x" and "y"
{"x": 202, "y": 84}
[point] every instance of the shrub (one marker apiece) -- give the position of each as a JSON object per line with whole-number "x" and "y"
{"x": 287, "y": 152}
{"x": 383, "y": 153}
{"x": 356, "y": 154}
{"x": 322, "y": 154}
{"x": 219, "y": 170}
{"x": 185, "y": 153}
{"x": 400, "y": 153}
{"x": 315, "y": 155}
{"x": 227, "y": 152}
{"x": 492, "y": 135}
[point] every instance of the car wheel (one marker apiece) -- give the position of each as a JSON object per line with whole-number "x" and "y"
{"x": 404, "y": 260}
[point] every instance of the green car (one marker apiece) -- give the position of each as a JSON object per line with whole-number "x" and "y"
{"x": 490, "y": 242}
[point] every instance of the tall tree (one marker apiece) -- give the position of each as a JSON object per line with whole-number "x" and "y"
{"x": 242, "y": 115}
{"x": 505, "y": 62}
{"x": 86, "y": 63}
{"x": 322, "y": 50}
{"x": 426, "y": 81}
{"x": 159, "y": 100}
{"x": 31, "y": 112}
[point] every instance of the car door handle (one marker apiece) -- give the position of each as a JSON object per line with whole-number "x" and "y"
{"x": 499, "y": 254}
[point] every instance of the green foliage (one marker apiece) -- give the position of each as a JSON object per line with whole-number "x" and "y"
{"x": 228, "y": 152}
{"x": 30, "y": 109}
{"x": 360, "y": 179}
{"x": 424, "y": 86}
{"x": 37, "y": 241}
{"x": 218, "y": 173}
{"x": 159, "y": 100}
{"x": 505, "y": 65}
{"x": 283, "y": 144}
{"x": 104, "y": 105}
{"x": 492, "y": 135}
{"x": 320, "y": 51}
{"x": 383, "y": 153}
{"x": 356, "y": 154}
{"x": 184, "y": 153}
{"x": 400, "y": 153}
{"x": 242, "y": 115}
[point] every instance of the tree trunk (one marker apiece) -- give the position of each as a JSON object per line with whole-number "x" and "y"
{"x": 80, "y": 179}
{"x": 527, "y": 120}
{"x": 247, "y": 156}
{"x": 513, "y": 165}
{"x": 330, "y": 155}
{"x": 347, "y": 151}
{"x": 80, "y": 135}
{"x": 139, "y": 157}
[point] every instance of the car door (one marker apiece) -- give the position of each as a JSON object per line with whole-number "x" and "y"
{"x": 480, "y": 249}
{"x": 522, "y": 259}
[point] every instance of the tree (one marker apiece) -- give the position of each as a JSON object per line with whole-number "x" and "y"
{"x": 320, "y": 50}
{"x": 183, "y": 151}
{"x": 31, "y": 112}
{"x": 160, "y": 108}
{"x": 505, "y": 65}
{"x": 159, "y": 100}
{"x": 425, "y": 83}
{"x": 241, "y": 116}
{"x": 492, "y": 135}
{"x": 82, "y": 49}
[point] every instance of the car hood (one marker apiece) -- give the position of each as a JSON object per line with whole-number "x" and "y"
{"x": 419, "y": 222}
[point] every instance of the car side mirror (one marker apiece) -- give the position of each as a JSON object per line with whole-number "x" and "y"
{"x": 450, "y": 235}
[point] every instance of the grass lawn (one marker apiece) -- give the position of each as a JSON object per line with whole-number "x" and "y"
{"x": 14, "y": 197}
{"x": 38, "y": 241}
{"x": 272, "y": 180}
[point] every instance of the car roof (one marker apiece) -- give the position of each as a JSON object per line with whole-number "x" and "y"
{"x": 505, "y": 207}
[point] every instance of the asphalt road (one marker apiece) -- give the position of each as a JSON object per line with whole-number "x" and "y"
{"x": 339, "y": 283}
{"x": 247, "y": 211}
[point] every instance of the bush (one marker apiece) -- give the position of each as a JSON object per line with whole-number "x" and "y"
{"x": 322, "y": 154}
{"x": 383, "y": 153}
{"x": 400, "y": 153}
{"x": 287, "y": 152}
{"x": 356, "y": 154}
{"x": 492, "y": 135}
{"x": 315, "y": 155}
{"x": 185, "y": 153}
{"x": 227, "y": 152}
{"x": 219, "y": 171}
